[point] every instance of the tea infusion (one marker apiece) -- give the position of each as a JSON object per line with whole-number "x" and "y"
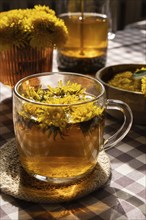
{"x": 87, "y": 42}
{"x": 61, "y": 139}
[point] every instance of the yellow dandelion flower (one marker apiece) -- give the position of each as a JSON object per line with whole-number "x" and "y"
{"x": 38, "y": 27}
{"x": 60, "y": 117}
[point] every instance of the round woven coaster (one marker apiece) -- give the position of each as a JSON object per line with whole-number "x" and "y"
{"x": 17, "y": 183}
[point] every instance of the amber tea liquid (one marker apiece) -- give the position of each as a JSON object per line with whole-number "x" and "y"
{"x": 69, "y": 156}
{"x": 86, "y": 47}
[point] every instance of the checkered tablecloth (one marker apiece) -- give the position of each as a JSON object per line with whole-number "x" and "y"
{"x": 128, "y": 46}
{"x": 124, "y": 196}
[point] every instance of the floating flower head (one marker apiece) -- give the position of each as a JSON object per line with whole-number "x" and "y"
{"x": 68, "y": 104}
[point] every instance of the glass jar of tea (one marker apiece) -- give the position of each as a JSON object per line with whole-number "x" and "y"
{"x": 88, "y": 25}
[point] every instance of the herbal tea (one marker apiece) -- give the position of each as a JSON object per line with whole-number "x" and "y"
{"x": 57, "y": 139}
{"x": 70, "y": 155}
{"x": 87, "y": 42}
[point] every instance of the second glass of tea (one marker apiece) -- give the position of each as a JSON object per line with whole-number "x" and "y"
{"x": 88, "y": 25}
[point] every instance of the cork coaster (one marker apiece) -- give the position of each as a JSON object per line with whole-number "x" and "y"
{"x": 17, "y": 183}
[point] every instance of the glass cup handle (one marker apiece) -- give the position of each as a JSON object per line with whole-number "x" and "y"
{"x": 125, "y": 127}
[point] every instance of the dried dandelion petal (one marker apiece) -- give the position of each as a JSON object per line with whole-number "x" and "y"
{"x": 143, "y": 86}
{"x": 126, "y": 80}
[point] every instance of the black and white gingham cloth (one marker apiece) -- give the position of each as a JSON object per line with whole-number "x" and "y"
{"x": 128, "y": 46}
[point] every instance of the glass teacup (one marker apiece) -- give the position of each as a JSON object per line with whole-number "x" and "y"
{"x": 59, "y": 121}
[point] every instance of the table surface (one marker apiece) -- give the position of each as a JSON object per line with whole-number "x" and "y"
{"x": 124, "y": 196}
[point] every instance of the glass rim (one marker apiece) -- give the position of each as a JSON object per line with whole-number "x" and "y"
{"x": 15, "y": 91}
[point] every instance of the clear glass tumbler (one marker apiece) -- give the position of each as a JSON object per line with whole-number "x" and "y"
{"x": 59, "y": 121}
